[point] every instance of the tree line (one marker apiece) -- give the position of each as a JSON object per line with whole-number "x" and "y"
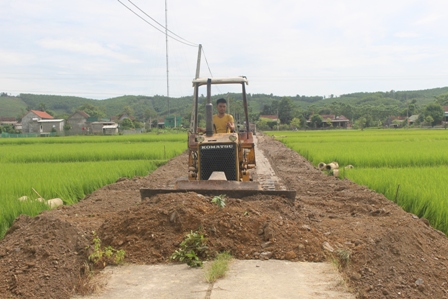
{"x": 293, "y": 112}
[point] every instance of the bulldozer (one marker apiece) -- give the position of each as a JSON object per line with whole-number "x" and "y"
{"x": 219, "y": 163}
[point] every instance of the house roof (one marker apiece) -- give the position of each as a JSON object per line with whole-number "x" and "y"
{"x": 125, "y": 115}
{"x": 42, "y": 114}
{"x": 413, "y": 117}
{"x": 273, "y": 117}
{"x": 82, "y": 113}
{"x": 50, "y": 120}
{"x": 8, "y": 119}
{"x": 104, "y": 123}
{"x": 110, "y": 126}
{"x": 334, "y": 117}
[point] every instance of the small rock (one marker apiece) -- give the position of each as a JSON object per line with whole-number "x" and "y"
{"x": 55, "y": 202}
{"x": 355, "y": 276}
{"x": 265, "y": 255}
{"x": 327, "y": 246}
{"x": 290, "y": 255}
{"x": 266, "y": 244}
{"x": 174, "y": 217}
{"x": 305, "y": 227}
{"x": 23, "y": 198}
{"x": 425, "y": 221}
{"x": 419, "y": 282}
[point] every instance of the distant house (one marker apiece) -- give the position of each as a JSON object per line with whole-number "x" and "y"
{"x": 10, "y": 121}
{"x": 47, "y": 126}
{"x": 110, "y": 129}
{"x": 173, "y": 121}
{"x": 101, "y": 127}
{"x": 394, "y": 121}
{"x": 270, "y": 117}
{"x": 445, "y": 114}
{"x": 161, "y": 123}
{"x": 412, "y": 119}
{"x": 332, "y": 120}
{"x": 79, "y": 122}
{"x": 30, "y": 121}
{"x": 125, "y": 115}
{"x": 7, "y": 120}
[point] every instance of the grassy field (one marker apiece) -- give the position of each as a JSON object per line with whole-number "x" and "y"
{"x": 409, "y": 167}
{"x": 72, "y": 167}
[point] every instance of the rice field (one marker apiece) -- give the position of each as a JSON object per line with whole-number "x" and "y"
{"x": 409, "y": 167}
{"x": 72, "y": 167}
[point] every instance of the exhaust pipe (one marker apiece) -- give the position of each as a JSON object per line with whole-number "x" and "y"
{"x": 209, "y": 111}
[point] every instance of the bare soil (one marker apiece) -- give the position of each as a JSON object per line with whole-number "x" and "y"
{"x": 392, "y": 253}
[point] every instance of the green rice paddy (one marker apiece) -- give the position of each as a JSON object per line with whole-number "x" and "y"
{"x": 72, "y": 167}
{"x": 409, "y": 167}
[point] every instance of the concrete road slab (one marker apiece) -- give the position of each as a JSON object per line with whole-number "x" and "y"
{"x": 280, "y": 279}
{"x": 245, "y": 279}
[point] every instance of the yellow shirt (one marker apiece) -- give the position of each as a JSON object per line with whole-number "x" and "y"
{"x": 220, "y": 123}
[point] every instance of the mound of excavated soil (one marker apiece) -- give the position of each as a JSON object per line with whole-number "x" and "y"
{"x": 393, "y": 254}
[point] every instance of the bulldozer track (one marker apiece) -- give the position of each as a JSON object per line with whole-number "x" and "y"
{"x": 264, "y": 173}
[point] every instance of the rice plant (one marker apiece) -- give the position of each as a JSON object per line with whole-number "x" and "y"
{"x": 414, "y": 160}
{"x": 72, "y": 167}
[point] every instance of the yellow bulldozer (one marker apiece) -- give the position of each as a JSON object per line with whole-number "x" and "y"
{"x": 219, "y": 163}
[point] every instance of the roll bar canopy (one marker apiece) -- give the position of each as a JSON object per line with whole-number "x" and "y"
{"x": 223, "y": 80}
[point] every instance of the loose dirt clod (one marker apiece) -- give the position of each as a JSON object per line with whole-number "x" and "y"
{"x": 388, "y": 253}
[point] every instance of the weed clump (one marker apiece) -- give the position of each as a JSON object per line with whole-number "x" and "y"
{"x": 192, "y": 249}
{"x": 218, "y": 267}
{"x": 103, "y": 256}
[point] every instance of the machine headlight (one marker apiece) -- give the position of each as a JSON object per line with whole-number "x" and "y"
{"x": 200, "y": 139}
{"x": 232, "y": 137}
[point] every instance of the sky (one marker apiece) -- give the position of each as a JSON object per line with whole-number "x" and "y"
{"x": 101, "y": 49}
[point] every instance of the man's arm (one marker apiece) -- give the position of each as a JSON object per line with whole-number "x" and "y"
{"x": 231, "y": 124}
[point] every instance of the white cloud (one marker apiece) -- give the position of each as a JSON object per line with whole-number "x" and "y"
{"x": 285, "y": 47}
{"x": 85, "y": 47}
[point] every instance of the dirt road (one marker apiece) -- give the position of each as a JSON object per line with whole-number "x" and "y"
{"x": 391, "y": 253}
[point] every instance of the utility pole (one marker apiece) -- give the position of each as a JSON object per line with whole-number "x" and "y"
{"x": 167, "y": 69}
{"x": 194, "y": 119}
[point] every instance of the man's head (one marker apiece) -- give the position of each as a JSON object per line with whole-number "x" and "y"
{"x": 221, "y": 105}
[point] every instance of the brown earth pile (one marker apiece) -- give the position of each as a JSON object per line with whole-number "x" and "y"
{"x": 392, "y": 254}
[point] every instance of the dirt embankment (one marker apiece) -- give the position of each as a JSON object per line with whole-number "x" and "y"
{"x": 393, "y": 254}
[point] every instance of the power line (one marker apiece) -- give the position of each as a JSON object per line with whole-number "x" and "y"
{"x": 206, "y": 62}
{"x": 180, "y": 41}
{"x": 164, "y": 27}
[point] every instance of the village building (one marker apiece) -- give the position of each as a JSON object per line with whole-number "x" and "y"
{"x": 101, "y": 127}
{"x": 270, "y": 117}
{"x": 30, "y": 121}
{"x": 48, "y": 126}
{"x": 110, "y": 129}
{"x": 79, "y": 123}
{"x": 334, "y": 121}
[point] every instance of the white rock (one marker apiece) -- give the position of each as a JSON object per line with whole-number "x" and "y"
{"x": 55, "y": 202}
{"x": 327, "y": 246}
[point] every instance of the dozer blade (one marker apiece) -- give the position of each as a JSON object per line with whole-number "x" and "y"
{"x": 230, "y": 188}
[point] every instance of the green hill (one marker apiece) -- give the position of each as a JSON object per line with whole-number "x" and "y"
{"x": 353, "y": 105}
{"x": 12, "y": 106}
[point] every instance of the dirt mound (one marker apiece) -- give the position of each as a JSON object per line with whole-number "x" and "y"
{"x": 269, "y": 226}
{"x": 41, "y": 257}
{"x": 382, "y": 251}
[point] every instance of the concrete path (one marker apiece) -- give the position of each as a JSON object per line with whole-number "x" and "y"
{"x": 245, "y": 279}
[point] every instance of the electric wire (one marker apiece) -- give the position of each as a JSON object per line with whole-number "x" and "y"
{"x": 206, "y": 62}
{"x": 180, "y": 41}
{"x": 161, "y": 24}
